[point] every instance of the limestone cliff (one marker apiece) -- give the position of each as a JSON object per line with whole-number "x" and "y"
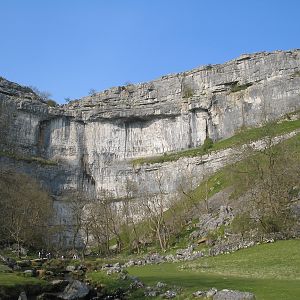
{"x": 91, "y": 142}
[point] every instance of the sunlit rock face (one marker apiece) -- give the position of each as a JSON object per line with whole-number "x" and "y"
{"x": 94, "y": 139}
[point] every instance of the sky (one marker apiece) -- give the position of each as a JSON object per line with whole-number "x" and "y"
{"x": 68, "y": 47}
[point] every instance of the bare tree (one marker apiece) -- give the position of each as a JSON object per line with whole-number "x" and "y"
{"x": 25, "y": 210}
{"x": 269, "y": 176}
{"x": 154, "y": 208}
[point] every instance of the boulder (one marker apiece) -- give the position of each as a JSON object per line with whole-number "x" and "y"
{"x": 75, "y": 290}
{"x": 169, "y": 294}
{"x": 211, "y": 292}
{"x": 233, "y": 295}
{"x": 58, "y": 285}
{"x": 161, "y": 285}
{"x": 199, "y": 294}
{"x": 70, "y": 268}
{"x": 22, "y": 296}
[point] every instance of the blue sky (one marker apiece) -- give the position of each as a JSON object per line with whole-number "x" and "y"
{"x": 68, "y": 47}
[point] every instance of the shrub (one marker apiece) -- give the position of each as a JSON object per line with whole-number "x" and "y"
{"x": 237, "y": 87}
{"x": 242, "y": 223}
{"x": 208, "y": 144}
{"x": 51, "y": 103}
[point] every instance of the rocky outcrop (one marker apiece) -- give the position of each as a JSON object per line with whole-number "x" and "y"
{"x": 87, "y": 145}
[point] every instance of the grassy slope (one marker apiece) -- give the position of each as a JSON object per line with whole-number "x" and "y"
{"x": 244, "y": 136}
{"x": 226, "y": 176}
{"x": 13, "y": 283}
{"x": 271, "y": 271}
{"x": 222, "y": 179}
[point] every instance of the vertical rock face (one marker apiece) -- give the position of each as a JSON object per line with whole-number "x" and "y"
{"x": 93, "y": 140}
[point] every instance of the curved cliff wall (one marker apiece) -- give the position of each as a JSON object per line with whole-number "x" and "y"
{"x": 94, "y": 139}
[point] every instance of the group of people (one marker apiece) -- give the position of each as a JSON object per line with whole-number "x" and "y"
{"x": 44, "y": 254}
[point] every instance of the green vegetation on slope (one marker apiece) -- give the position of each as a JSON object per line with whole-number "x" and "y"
{"x": 28, "y": 159}
{"x": 110, "y": 284}
{"x": 277, "y": 165}
{"x": 270, "y": 271}
{"x": 242, "y": 137}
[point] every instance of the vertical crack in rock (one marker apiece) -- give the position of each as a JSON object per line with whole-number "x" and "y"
{"x": 42, "y": 138}
{"x": 125, "y": 139}
{"x": 87, "y": 176}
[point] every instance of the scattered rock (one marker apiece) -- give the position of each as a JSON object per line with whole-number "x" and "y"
{"x": 150, "y": 292}
{"x": 136, "y": 284}
{"x": 233, "y": 295}
{"x": 75, "y": 290}
{"x": 22, "y": 296}
{"x": 199, "y": 294}
{"x": 210, "y": 222}
{"x": 214, "y": 294}
{"x": 169, "y": 294}
{"x": 116, "y": 268}
{"x": 161, "y": 285}
{"x": 70, "y": 268}
{"x": 211, "y": 292}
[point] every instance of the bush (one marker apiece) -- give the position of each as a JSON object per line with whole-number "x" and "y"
{"x": 242, "y": 223}
{"x": 51, "y": 103}
{"x": 208, "y": 144}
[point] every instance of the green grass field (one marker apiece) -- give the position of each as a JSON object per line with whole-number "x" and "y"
{"x": 13, "y": 283}
{"x": 271, "y": 271}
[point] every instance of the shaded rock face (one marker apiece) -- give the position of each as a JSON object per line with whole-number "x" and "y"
{"x": 93, "y": 140}
{"x": 75, "y": 290}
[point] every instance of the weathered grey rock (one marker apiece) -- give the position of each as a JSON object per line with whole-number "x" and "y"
{"x": 58, "y": 285}
{"x": 210, "y": 222}
{"x": 169, "y": 294}
{"x": 136, "y": 284}
{"x": 233, "y": 295}
{"x": 75, "y": 290}
{"x": 160, "y": 285}
{"x": 70, "y": 268}
{"x": 22, "y": 296}
{"x": 149, "y": 292}
{"x": 211, "y": 293}
{"x": 88, "y": 144}
{"x": 199, "y": 294}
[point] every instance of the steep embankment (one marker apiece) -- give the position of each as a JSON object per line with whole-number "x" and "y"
{"x": 88, "y": 144}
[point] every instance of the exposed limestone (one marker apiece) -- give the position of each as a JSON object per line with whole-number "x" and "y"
{"x": 93, "y": 139}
